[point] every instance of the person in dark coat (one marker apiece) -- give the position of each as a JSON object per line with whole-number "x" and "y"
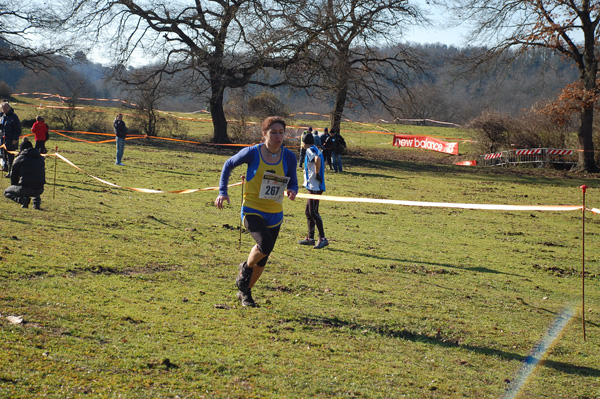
{"x": 337, "y": 145}
{"x": 326, "y": 150}
{"x": 121, "y": 134}
{"x": 28, "y": 176}
{"x": 11, "y": 131}
{"x": 302, "y": 149}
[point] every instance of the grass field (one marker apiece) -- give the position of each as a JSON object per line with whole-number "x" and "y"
{"x": 127, "y": 294}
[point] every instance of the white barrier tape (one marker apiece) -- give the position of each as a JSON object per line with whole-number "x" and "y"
{"x": 445, "y": 204}
{"x": 144, "y": 190}
{"x": 78, "y": 168}
{"x": 368, "y": 200}
{"x": 594, "y": 210}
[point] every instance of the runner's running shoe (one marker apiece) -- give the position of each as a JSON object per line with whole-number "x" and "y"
{"x": 307, "y": 241}
{"x": 242, "y": 281}
{"x": 322, "y": 243}
{"x": 246, "y": 299}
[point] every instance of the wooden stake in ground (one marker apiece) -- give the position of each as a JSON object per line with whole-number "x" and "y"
{"x": 583, "y": 188}
{"x": 55, "y": 160}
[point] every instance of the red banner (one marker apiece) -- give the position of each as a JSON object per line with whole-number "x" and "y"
{"x": 426, "y": 143}
{"x": 466, "y": 163}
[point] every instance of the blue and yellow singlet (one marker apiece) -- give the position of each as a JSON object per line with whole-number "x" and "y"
{"x": 265, "y": 182}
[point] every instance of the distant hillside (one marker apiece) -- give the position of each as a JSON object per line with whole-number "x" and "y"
{"x": 441, "y": 93}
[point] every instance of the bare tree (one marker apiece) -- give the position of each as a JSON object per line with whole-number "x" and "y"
{"x": 219, "y": 44}
{"x": 21, "y": 41}
{"x": 147, "y": 95}
{"x": 350, "y": 60}
{"x": 70, "y": 86}
{"x": 265, "y": 104}
{"x": 424, "y": 101}
{"x": 567, "y": 27}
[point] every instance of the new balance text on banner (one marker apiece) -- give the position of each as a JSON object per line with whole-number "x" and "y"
{"x": 426, "y": 143}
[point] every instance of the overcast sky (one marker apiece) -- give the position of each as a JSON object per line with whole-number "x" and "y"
{"x": 454, "y": 37}
{"x": 439, "y": 31}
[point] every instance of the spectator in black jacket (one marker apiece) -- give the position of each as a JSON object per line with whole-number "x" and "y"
{"x": 28, "y": 176}
{"x": 11, "y": 131}
{"x": 337, "y": 145}
{"x": 121, "y": 134}
{"x": 302, "y": 149}
{"x": 326, "y": 150}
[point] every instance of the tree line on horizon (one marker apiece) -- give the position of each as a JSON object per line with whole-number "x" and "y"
{"x": 439, "y": 93}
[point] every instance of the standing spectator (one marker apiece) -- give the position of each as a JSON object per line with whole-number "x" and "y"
{"x": 271, "y": 170}
{"x": 302, "y": 150}
{"x": 3, "y": 155}
{"x": 318, "y": 142}
{"x": 314, "y": 181}
{"x": 326, "y": 149}
{"x": 28, "y": 176}
{"x": 11, "y": 131}
{"x": 40, "y": 131}
{"x": 337, "y": 144}
{"x": 121, "y": 133}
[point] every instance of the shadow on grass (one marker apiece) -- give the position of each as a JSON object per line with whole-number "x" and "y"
{"x": 477, "y": 269}
{"x": 507, "y": 175}
{"x": 150, "y": 217}
{"x": 360, "y": 174}
{"x": 391, "y": 160}
{"x": 165, "y": 171}
{"x": 337, "y": 323}
{"x": 480, "y": 269}
{"x": 98, "y": 188}
{"x": 587, "y": 322}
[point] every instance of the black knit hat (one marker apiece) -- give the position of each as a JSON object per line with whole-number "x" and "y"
{"x": 25, "y": 144}
{"x": 308, "y": 139}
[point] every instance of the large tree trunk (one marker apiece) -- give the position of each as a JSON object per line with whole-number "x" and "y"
{"x": 218, "y": 114}
{"x": 589, "y": 71}
{"x": 338, "y": 109}
{"x": 586, "y": 161}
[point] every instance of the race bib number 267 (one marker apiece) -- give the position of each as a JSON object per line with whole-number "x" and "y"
{"x": 273, "y": 186}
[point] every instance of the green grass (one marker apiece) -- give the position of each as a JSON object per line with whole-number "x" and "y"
{"x": 126, "y": 294}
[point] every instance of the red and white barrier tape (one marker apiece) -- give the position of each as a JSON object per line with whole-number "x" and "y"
{"x": 554, "y": 151}
{"x": 492, "y": 156}
{"x": 534, "y": 151}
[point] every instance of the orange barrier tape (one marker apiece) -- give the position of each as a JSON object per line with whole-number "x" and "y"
{"x": 83, "y": 132}
{"x": 445, "y": 204}
{"x": 10, "y": 152}
{"x": 60, "y": 133}
{"x": 81, "y": 140}
{"x": 422, "y": 120}
{"x": 141, "y": 190}
{"x": 62, "y": 98}
{"x": 133, "y": 137}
